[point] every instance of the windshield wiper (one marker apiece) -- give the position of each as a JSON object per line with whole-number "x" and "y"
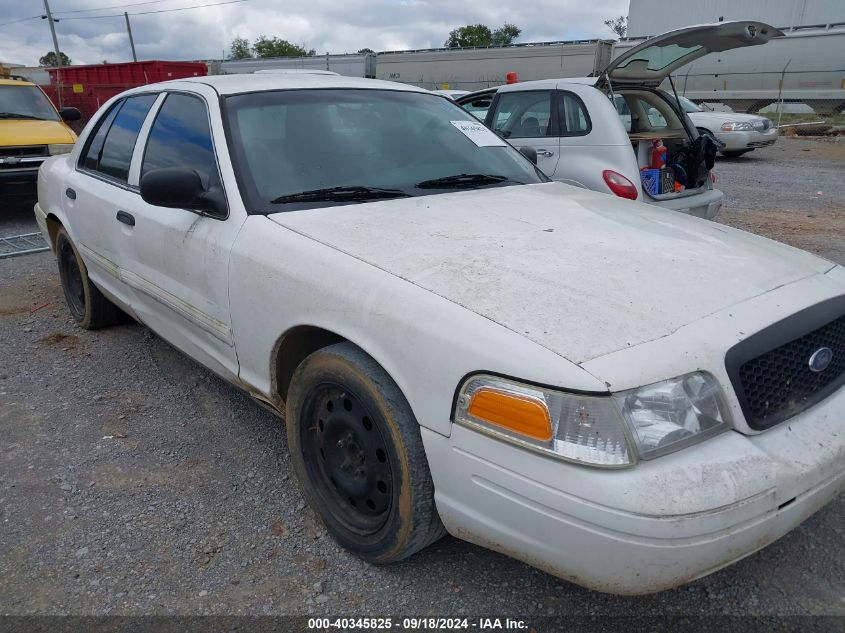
{"x": 464, "y": 180}
{"x": 340, "y": 194}
{"x": 16, "y": 115}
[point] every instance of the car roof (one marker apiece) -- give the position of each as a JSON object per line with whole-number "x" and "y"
{"x": 537, "y": 84}
{"x": 235, "y": 84}
{"x": 547, "y": 84}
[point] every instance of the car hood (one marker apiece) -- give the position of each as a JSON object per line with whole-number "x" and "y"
{"x": 580, "y": 273}
{"x": 30, "y": 132}
{"x": 718, "y": 118}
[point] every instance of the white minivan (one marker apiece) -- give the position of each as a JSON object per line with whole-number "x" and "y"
{"x": 585, "y": 138}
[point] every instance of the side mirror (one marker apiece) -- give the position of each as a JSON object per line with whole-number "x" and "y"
{"x": 70, "y": 114}
{"x": 530, "y": 153}
{"x": 181, "y": 188}
{"x": 174, "y": 187}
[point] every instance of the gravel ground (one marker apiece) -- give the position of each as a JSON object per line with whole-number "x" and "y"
{"x": 133, "y": 481}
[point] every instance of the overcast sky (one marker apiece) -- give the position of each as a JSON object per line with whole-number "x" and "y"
{"x": 337, "y": 26}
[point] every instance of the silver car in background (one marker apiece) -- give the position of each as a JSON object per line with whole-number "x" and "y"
{"x": 583, "y": 137}
{"x": 739, "y": 133}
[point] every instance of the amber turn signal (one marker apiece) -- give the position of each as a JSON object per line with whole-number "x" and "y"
{"x": 520, "y": 414}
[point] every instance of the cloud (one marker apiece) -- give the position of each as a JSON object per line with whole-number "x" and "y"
{"x": 337, "y": 26}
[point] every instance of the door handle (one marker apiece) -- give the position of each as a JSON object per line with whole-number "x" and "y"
{"x": 545, "y": 152}
{"x": 126, "y": 218}
{"x": 70, "y": 193}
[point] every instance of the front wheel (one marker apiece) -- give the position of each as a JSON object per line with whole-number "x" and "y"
{"x": 705, "y": 132}
{"x": 88, "y": 306}
{"x": 356, "y": 449}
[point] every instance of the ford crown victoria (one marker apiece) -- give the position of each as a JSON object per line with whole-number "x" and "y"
{"x": 624, "y": 396}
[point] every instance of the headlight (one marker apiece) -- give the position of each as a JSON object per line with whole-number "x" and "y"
{"x": 737, "y": 126}
{"x": 672, "y": 414}
{"x": 609, "y": 431}
{"x": 585, "y": 429}
{"x": 60, "y": 148}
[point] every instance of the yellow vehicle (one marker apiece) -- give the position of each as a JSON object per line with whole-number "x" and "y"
{"x": 31, "y": 130}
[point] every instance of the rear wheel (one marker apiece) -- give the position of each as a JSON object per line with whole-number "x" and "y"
{"x": 357, "y": 451}
{"x": 87, "y": 305}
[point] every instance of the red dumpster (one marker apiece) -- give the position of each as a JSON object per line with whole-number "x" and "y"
{"x": 89, "y": 87}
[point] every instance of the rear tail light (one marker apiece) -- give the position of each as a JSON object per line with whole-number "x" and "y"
{"x": 620, "y": 185}
{"x": 713, "y": 177}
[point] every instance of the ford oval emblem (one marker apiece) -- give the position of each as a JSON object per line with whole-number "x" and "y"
{"x": 821, "y": 359}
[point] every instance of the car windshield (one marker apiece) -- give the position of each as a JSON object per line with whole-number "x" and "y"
{"x": 296, "y": 149}
{"x": 688, "y": 105}
{"x": 25, "y": 102}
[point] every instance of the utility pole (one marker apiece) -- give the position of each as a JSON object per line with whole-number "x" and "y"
{"x": 131, "y": 41}
{"x": 50, "y": 20}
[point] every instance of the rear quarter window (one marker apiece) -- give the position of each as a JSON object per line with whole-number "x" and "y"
{"x": 574, "y": 120}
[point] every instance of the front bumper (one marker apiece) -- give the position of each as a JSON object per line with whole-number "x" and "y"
{"x": 18, "y": 181}
{"x": 648, "y": 528}
{"x": 738, "y": 141}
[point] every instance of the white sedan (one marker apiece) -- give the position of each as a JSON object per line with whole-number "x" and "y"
{"x": 739, "y": 133}
{"x": 626, "y": 397}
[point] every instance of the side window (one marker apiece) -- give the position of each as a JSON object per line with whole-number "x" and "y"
{"x": 91, "y": 156}
{"x": 656, "y": 120}
{"x": 116, "y": 153}
{"x": 572, "y": 114}
{"x": 523, "y": 114}
{"x": 623, "y": 110}
{"x": 181, "y": 137}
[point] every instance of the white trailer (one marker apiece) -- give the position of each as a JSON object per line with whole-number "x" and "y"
{"x": 353, "y": 65}
{"x": 476, "y": 68}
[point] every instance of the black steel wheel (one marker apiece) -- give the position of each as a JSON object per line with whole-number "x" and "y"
{"x": 71, "y": 276}
{"x": 347, "y": 453}
{"x": 88, "y": 306}
{"x": 357, "y": 452}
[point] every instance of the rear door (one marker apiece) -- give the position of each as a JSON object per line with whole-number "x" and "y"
{"x": 176, "y": 260}
{"x": 98, "y": 191}
{"x": 528, "y": 118}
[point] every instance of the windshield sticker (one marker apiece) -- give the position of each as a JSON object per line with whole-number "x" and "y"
{"x": 478, "y": 134}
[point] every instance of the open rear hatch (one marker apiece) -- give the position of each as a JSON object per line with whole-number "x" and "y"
{"x": 651, "y": 62}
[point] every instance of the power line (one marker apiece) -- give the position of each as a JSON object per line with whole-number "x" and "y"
{"x": 117, "y": 6}
{"x": 34, "y": 17}
{"x": 120, "y": 15}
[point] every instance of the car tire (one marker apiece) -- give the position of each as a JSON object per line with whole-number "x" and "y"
{"x": 357, "y": 451}
{"x": 736, "y": 153}
{"x": 88, "y": 306}
{"x": 705, "y": 132}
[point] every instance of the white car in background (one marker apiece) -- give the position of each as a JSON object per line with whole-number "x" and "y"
{"x": 739, "y": 133}
{"x": 457, "y": 344}
{"x": 582, "y": 137}
{"x": 452, "y": 94}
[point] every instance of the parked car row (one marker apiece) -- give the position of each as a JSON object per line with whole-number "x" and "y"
{"x": 624, "y": 396}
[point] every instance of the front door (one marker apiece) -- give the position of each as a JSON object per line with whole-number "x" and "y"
{"x": 177, "y": 259}
{"x": 525, "y": 119}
